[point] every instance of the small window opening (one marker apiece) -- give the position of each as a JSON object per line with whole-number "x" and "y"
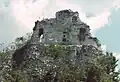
{"x": 40, "y": 32}
{"x": 64, "y": 39}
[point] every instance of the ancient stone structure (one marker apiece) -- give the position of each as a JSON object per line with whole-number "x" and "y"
{"x": 66, "y": 28}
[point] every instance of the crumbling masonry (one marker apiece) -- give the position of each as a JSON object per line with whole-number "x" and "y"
{"x": 66, "y": 28}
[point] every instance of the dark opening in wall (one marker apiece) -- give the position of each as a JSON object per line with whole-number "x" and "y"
{"x": 63, "y": 35}
{"x": 40, "y": 32}
{"x": 85, "y": 54}
{"x": 82, "y": 30}
{"x": 64, "y": 40}
{"x": 81, "y": 34}
{"x": 64, "y": 32}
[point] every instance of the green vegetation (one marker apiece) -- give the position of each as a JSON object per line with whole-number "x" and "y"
{"x": 57, "y": 65}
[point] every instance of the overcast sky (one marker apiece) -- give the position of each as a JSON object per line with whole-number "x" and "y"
{"x": 17, "y": 17}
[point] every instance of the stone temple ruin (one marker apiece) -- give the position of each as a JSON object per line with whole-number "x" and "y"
{"x": 81, "y": 49}
{"x": 66, "y": 28}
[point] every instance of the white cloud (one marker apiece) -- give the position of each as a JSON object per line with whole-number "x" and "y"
{"x": 95, "y": 22}
{"x": 116, "y": 4}
{"x": 99, "y": 21}
{"x": 27, "y": 12}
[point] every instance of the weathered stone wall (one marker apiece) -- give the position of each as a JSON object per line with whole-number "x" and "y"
{"x": 66, "y": 28}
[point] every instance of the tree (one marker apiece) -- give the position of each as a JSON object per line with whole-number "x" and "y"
{"x": 54, "y": 63}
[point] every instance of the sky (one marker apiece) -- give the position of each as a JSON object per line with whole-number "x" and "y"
{"x": 17, "y": 18}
